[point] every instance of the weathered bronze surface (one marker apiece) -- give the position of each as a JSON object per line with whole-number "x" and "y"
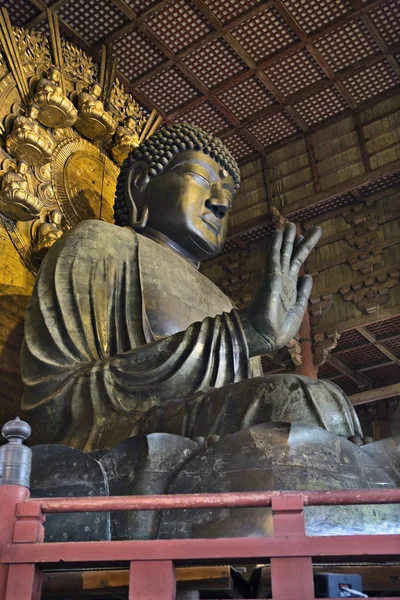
{"x": 280, "y": 456}
{"x": 121, "y": 322}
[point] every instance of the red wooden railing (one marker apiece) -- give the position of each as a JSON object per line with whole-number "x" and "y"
{"x": 151, "y": 563}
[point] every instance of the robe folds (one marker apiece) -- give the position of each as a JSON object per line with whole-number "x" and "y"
{"x": 118, "y": 325}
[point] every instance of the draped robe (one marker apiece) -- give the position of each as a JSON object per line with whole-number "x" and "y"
{"x": 123, "y": 335}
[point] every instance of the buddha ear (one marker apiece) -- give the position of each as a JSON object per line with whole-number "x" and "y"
{"x": 138, "y": 177}
{"x": 136, "y": 183}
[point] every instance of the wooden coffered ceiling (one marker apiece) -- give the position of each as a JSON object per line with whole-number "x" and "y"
{"x": 254, "y": 73}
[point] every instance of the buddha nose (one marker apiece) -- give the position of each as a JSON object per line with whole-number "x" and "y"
{"x": 218, "y": 203}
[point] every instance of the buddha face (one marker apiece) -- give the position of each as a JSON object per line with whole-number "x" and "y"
{"x": 189, "y": 202}
{"x": 95, "y": 89}
{"x": 55, "y": 75}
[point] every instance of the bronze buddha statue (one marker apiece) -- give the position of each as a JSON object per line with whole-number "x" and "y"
{"x": 123, "y": 335}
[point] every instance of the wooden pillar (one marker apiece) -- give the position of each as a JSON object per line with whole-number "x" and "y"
{"x": 307, "y": 367}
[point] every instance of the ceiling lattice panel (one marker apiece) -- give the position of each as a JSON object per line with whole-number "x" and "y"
{"x": 205, "y": 115}
{"x": 225, "y": 10}
{"x": 319, "y": 107}
{"x": 387, "y": 19}
{"x": 20, "y": 11}
{"x": 295, "y": 72}
{"x": 236, "y": 98}
{"x": 264, "y": 34}
{"x": 178, "y": 24}
{"x": 169, "y": 89}
{"x": 214, "y": 63}
{"x": 314, "y": 14}
{"x": 374, "y": 80}
{"x": 260, "y": 72}
{"x": 270, "y": 129}
{"x": 136, "y": 54}
{"x": 346, "y": 45}
{"x": 92, "y": 19}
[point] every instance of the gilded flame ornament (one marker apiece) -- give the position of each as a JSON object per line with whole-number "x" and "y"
{"x": 55, "y": 101}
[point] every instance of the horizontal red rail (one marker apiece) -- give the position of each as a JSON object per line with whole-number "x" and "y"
{"x": 208, "y": 551}
{"x": 193, "y": 501}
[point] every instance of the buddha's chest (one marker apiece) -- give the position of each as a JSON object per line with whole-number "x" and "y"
{"x": 174, "y": 293}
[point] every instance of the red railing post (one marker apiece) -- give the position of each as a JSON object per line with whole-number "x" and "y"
{"x": 10, "y": 495}
{"x": 291, "y": 578}
{"x": 18, "y": 581}
{"x": 151, "y": 580}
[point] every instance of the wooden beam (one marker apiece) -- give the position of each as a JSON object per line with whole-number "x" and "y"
{"x": 313, "y": 163}
{"x": 361, "y": 140}
{"x": 267, "y": 183}
{"x": 362, "y": 381}
{"x": 342, "y": 187}
{"x": 372, "y": 339}
{"x": 113, "y": 580}
{"x": 351, "y": 255}
{"x": 364, "y": 320}
{"x": 373, "y": 395}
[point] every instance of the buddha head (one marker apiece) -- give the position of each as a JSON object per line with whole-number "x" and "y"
{"x": 95, "y": 89}
{"x": 55, "y": 217}
{"x": 179, "y": 183}
{"x": 33, "y": 112}
{"x": 54, "y": 74}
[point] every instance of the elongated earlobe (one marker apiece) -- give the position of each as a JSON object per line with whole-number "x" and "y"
{"x": 140, "y": 223}
{"x": 135, "y": 183}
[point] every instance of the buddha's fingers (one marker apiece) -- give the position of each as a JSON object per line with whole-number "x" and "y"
{"x": 289, "y": 236}
{"x": 303, "y": 249}
{"x": 295, "y": 315}
{"x": 274, "y": 253}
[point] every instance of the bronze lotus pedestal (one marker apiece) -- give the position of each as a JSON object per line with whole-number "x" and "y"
{"x": 132, "y": 355}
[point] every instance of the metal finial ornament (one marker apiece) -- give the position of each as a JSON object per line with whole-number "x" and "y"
{"x": 15, "y": 458}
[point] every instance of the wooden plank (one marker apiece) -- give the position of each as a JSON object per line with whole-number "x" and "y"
{"x": 351, "y": 256}
{"x": 342, "y": 188}
{"x": 383, "y": 315}
{"x": 361, "y": 380}
{"x": 361, "y": 141}
{"x": 377, "y": 394}
{"x": 372, "y": 339}
{"x": 76, "y": 582}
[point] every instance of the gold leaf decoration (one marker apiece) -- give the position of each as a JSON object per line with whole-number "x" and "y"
{"x": 77, "y": 64}
{"x": 33, "y": 46}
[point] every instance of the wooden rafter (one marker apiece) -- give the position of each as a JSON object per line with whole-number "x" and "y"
{"x": 372, "y": 340}
{"x": 381, "y": 393}
{"x": 313, "y": 163}
{"x": 361, "y": 380}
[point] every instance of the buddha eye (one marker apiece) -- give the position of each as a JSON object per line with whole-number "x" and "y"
{"x": 199, "y": 179}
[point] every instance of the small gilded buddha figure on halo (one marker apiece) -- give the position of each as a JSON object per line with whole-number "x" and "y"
{"x": 126, "y": 138}
{"x": 28, "y": 141}
{"x": 93, "y": 120}
{"x": 16, "y": 200}
{"x": 55, "y": 109}
{"x": 133, "y": 339}
{"x": 47, "y": 233}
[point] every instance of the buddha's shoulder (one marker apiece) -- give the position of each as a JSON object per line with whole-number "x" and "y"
{"x": 105, "y": 235}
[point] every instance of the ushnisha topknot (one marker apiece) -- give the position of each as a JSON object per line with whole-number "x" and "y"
{"x": 161, "y": 147}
